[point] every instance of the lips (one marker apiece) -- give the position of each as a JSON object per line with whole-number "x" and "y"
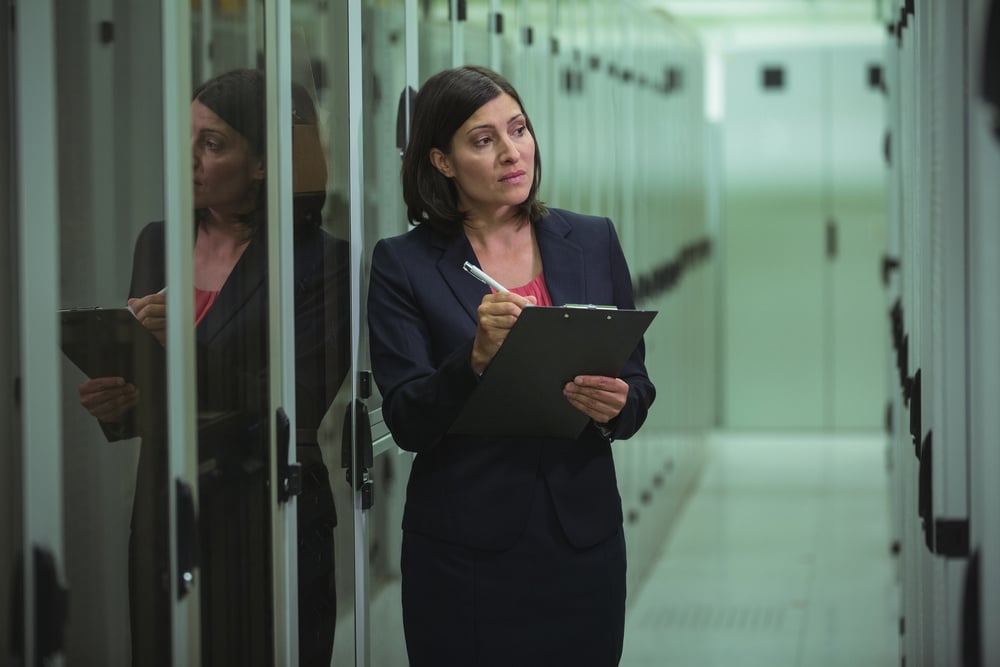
{"x": 513, "y": 177}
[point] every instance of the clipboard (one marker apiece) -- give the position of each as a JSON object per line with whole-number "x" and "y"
{"x": 520, "y": 393}
{"x": 110, "y": 342}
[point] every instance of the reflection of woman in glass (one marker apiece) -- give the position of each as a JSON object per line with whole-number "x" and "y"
{"x": 513, "y": 551}
{"x": 231, "y": 307}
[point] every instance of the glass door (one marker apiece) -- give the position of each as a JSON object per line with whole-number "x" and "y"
{"x": 11, "y": 498}
{"x": 172, "y": 471}
{"x": 33, "y": 552}
{"x": 328, "y": 542}
{"x": 384, "y": 79}
{"x": 275, "y": 367}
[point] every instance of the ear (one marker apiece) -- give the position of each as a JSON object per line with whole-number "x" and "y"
{"x": 441, "y": 162}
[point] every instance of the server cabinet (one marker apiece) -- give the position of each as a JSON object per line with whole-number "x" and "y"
{"x": 938, "y": 324}
{"x": 981, "y": 604}
{"x": 803, "y": 233}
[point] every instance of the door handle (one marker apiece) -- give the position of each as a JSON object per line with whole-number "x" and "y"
{"x": 187, "y": 538}
{"x": 358, "y": 423}
{"x": 831, "y": 239}
{"x": 289, "y": 474}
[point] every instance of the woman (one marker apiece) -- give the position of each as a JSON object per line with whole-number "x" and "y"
{"x": 231, "y": 329}
{"x": 513, "y": 552}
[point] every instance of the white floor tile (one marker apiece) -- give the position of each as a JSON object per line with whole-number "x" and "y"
{"x": 780, "y": 558}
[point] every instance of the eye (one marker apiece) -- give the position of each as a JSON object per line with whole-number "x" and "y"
{"x": 520, "y": 130}
{"x": 482, "y": 141}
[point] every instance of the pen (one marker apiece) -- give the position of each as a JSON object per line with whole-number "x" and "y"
{"x": 481, "y": 275}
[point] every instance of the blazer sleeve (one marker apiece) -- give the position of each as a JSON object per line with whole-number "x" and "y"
{"x": 423, "y": 384}
{"x": 641, "y": 390}
{"x": 148, "y": 276}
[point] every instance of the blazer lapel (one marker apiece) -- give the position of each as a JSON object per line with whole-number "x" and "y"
{"x": 562, "y": 261}
{"x": 467, "y": 290}
{"x": 245, "y": 280}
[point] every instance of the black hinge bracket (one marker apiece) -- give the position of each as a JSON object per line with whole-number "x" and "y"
{"x": 951, "y": 538}
{"x": 106, "y": 31}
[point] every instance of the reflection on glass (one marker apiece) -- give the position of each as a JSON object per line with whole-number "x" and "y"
{"x": 231, "y": 331}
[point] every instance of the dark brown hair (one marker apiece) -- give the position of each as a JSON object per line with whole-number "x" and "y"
{"x": 444, "y": 103}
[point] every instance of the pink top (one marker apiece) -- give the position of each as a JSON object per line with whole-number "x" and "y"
{"x": 203, "y": 300}
{"x": 537, "y": 289}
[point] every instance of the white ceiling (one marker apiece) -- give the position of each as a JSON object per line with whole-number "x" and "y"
{"x": 726, "y": 25}
{"x": 761, "y": 11}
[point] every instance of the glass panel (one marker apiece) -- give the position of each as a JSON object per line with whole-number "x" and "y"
{"x": 11, "y": 503}
{"x": 114, "y": 483}
{"x": 320, "y": 291}
{"x": 384, "y": 65}
{"x": 232, "y": 329}
{"x": 321, "y": 180}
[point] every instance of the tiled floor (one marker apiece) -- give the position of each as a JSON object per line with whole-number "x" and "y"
{"x": 780, "y": 559}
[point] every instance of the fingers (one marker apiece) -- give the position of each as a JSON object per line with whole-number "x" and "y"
{"x": 151, "y": 310}
{"x": 108, "y": 399}
{"x": 502, "y": 308}
{"x": 497, "y": 314}
{"x": 96, "y": 385}
{"x": 600, "y": 398}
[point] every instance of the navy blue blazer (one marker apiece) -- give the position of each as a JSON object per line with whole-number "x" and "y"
{"x": 232, "y": 338}
{"x": 474, "y": 490}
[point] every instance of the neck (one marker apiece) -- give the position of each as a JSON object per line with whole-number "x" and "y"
{"x": 225, "y": 229}
{"x": 500, "y": 238}
{"x": 502, "y": 226}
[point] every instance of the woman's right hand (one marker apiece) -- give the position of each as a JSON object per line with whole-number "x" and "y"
{"x": 151, "y": 311}
{"x": 108, "y": 399}
{"x": 497, "y": 314}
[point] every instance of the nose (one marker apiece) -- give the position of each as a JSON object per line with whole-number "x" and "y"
{"x": 508, "y": 150}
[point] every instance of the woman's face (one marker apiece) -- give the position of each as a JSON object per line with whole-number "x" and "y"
{"x": 226, "y": 174}
{"x": 492, "y": 159}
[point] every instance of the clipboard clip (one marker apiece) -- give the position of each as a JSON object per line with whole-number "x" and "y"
{"x": 590, "y": 306}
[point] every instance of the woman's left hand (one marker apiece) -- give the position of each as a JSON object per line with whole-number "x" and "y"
{"x": 600, "y": 398}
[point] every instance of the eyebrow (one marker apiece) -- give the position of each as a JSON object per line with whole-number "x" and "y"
{"x": 212, "y": 130}
{"x": 512, "y": 119}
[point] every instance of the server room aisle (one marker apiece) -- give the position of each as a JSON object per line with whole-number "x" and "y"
{"x": 781, "y": 558}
